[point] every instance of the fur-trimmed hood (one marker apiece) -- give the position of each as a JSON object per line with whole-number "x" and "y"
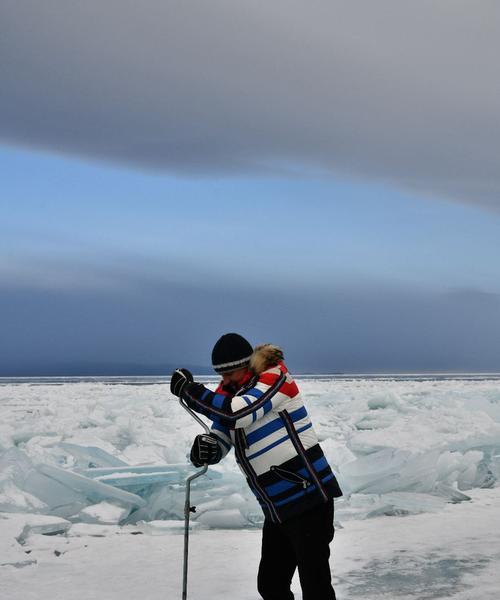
{"x": 264, "y": 357}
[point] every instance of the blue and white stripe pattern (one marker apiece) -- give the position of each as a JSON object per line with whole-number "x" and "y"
{"x": 275, "y": 444}
{"x": 243, "y": 409}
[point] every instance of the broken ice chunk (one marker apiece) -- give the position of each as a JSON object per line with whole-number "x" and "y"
{"x": 392, "y": 470}
{"x": 91, "y": 456}
{"x": 223, "y": 519}
{"x": 61, "y": 491}
{"x": 367, "y": 473}
{"x": 95, "y": 530}
{"x": 13, "y": 499}
{"x": 91, "y": 489}
{"x": 163, "y": 527}
{"x": 11, "y": 553}
{"x": 406, "y": 503}
{"x": 50, "y": 496}
{"x": 104, "y": 513}
{"x": 42, "y": 524}
{"x": 128, "y": 477}
{"x": 17, "y": 527}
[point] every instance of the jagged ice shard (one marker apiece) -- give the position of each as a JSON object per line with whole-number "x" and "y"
{"x": 397, "y": 447}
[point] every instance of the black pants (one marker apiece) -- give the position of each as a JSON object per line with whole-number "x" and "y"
{"x": 303, "y": 543}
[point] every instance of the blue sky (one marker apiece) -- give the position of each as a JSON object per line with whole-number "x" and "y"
{"x": 325, "y": 231}
{"x": 296, "y": 260}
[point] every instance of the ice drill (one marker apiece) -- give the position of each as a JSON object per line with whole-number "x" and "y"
{"x": 187, "y": 503}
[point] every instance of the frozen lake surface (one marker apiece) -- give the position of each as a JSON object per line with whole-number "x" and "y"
{"x": 91, "y": 490}
{"x": 451, "y": 554}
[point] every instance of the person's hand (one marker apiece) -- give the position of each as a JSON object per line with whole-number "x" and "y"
{"x": 178, "y": 380}
{"x": 205, "y": 450}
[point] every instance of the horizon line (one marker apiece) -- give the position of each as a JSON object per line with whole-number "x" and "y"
{"x": 296, "y": 374}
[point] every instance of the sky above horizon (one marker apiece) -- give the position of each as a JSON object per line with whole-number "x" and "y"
{"x": 146, "y": 211}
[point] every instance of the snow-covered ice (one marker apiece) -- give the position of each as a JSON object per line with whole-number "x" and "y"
{"x": 452, "y": 554}
{"x": 103, "y": 513}
{"x": 107, "y": 461}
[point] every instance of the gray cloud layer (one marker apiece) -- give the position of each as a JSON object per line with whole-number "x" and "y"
{"x": 152, "y": 322}
{"x": 402, "y": 92}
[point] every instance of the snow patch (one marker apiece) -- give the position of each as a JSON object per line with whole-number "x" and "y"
{"x": 104, "y": 513}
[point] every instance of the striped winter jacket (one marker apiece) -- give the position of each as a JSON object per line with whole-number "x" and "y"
{"x": 272, "y": 434}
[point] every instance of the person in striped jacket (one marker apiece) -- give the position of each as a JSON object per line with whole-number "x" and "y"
{"x": 258, "y": 410}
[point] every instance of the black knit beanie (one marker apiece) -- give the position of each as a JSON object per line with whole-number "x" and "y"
{"x": 232, "y": 351}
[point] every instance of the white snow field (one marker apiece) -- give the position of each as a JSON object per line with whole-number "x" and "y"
{"x": 91, "y": 491}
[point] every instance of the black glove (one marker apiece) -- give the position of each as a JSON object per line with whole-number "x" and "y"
{"x": 178, "y": 380}
{"x": 205, "y": 450}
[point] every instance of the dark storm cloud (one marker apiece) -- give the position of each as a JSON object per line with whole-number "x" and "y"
{"x": 399, "y": 92}
{"x": 154, "y": 322}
